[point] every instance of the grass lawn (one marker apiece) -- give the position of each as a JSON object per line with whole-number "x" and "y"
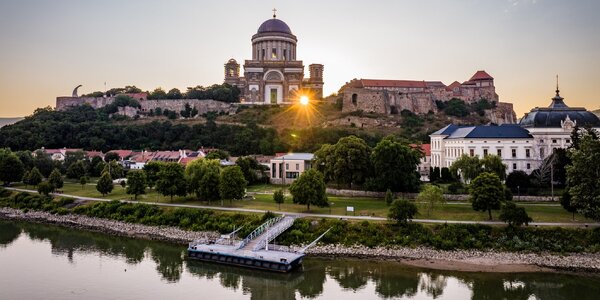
{"x": 540, "y": 212}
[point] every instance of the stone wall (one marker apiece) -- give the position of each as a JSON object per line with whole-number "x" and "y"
{"x": 450, "y": 197}
{"x": 502, "y": 114}
{"x": 203, "y": 106}
{"x": 386, "y": 102}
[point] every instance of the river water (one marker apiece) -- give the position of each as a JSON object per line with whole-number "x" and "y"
{"x": 50, "y": 262}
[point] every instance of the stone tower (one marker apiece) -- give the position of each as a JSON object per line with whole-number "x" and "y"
{"x": 314, "y": 84}
{"x": 232, "y": 72}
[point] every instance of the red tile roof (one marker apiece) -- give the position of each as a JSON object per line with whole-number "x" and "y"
{"x": 393, "y": 83}
{"x": 186, "y": 160}
{"x": 425, "y": 148}
{"x": 122, "y": 153}
{"x": 481, "y": 75}
{"x": 453, "y": 85}
{"x": 92, "y": 154}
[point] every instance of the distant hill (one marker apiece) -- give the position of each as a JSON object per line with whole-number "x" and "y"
{"x": 8, "y": 121}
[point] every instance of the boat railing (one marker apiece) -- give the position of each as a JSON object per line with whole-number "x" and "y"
{"x": 259, "y": 230}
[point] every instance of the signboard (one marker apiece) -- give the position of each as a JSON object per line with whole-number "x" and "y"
{"x": 350, "y": 208}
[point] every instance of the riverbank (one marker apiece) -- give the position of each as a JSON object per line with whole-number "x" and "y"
{"x": 457, "y": 260}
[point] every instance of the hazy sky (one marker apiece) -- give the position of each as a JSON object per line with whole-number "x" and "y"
{"x": 49, "y": 47}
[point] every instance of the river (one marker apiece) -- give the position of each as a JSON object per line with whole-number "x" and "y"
{"x": 50, "y": 262}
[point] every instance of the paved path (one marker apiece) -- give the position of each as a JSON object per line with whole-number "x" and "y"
{"x": 368, "y": 218}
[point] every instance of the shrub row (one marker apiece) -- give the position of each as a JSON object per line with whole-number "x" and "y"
{"x": 371, "y": 234}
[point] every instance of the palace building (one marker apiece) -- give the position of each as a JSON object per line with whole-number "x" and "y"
{"x": 522, "y": 146}
{"x": 274, "y": 75}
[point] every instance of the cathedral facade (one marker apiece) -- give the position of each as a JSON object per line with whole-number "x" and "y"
{"x": 274, "y": 75}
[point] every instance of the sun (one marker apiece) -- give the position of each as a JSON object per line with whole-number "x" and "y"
{"x": 304, "y": 100}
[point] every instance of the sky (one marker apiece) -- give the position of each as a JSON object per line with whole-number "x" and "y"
{"x": 47, "y": 47}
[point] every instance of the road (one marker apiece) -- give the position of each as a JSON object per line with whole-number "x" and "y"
{"x": 368, "y": 218}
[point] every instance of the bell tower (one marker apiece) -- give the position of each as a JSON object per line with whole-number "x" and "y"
{"x": 232, "y": 72}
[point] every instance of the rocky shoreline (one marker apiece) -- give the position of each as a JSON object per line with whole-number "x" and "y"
{"x": 459, "y": 260}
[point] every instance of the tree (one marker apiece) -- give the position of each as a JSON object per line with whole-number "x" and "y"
{"x": 566, "y": 203}
{"x": 351, "y": 160}
{"x": 55, "y": 179}
{"x": 171, "y": 180}
{"x": 136, "y": 183}
{"x": 447, "y": 175}
{"x": 157, "y": 94}
{"x": 494, "y": 164}
{"x": 43, "y": 162}
{"x": 456, "y": 107}
{"x": 402, "y": 210}
{"x": 95, "y": 169}
{"x": 583, "y": 175}
{"x": 72, "y": 157}
{"x": 26, "y": 158}
{"x": 431, "y": 195}
{"x": 76, "y": 170}
{"x": 250, "y": 167}
{"x": 114, "y": 168}
{"x": 513, "y": 215}
{"x": 232, "y": 184}
{"x": 174, "y": 94}
{"x": 309, "y": 189}
{"x": 468, "y": 167}
{"x": 187, "y": 111}
{"x": 518, "y": 181}
{"x": 434, "y": 174}
{"x": 486, "y": 192}
{"x": 395, "y": 166}
{"x": 203, "y": 176}
{"x": 217, "y": 154}
{"x": 25, "y": 179}
{"x": 105, "y": 184}
{"x": 35, "y": 177}
{"x": 323, "y": 161}
{"x": 45, "y": 188}
{"x": 279, "y": 197}
{"x": 561, "y": 161}
{"x": 11, "y": 168}
{"x": 83, "y": 180}
{"x": 389, "y": 197}
{"x": 151, "y": 169}
{"x": 111, "y": 156}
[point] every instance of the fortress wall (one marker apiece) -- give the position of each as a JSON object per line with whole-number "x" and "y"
{"x": 203, "y": 106}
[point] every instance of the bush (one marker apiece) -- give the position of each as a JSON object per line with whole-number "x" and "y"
{"x": 402, "y": 210}
{"x": 513, "y": 215}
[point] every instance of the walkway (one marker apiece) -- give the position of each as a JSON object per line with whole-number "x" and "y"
{"x": 301, "y": 215}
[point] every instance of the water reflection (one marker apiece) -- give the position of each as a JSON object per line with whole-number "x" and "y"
{"x": 370, "y": 280}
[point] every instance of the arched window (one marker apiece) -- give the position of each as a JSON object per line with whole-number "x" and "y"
{"x": 354, "y": 98}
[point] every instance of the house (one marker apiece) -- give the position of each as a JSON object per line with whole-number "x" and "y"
{"x": 425, "y": 162}
{"x": 284, "y": 169}
{"x": 58, "y": 154}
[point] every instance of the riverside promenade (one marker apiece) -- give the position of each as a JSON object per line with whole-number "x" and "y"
{"x": 312, "y": 215}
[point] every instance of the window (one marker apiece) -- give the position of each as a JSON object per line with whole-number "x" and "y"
{"x": 568, "y": 141}
{"x": 297, "y": 167}
{"x": 274, "y": 53}
{"x": 284, "y": 54}
{"x": 291, "y": 175}
{"x": 485, "y": 152}
{"x": 541, "y": 141}
{"x": 527, "y": 153}
{"x": 262, "y": 53}
{"x": 472, "y": 152}
{"x": 273, "y": 170}
{"x": 287, "y": 166}
{"x": 499, "y": 151}
{"x": 553, "y": 141}
{"x": 542, "y": 153}
{"x": 354, "y": 98}
{"x": 514, "y": 166}
{"x": 514, "y": 153}
{"x": 528, "y": 166}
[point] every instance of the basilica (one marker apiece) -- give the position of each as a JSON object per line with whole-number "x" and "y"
{"x": 274, "y": 75}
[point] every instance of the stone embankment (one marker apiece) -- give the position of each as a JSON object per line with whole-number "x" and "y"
{"x": 160, "y": 233}
{"x": 462, "y": 260}
{"x": 468, "y": 260}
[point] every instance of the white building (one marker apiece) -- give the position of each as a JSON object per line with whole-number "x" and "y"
{"x": 286, "y": 168}
{"x": 521, "y": 147}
